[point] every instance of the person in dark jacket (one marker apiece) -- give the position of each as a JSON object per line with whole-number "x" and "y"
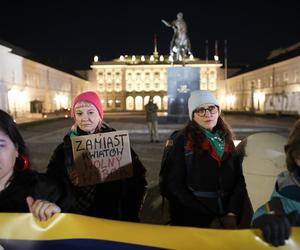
{"x": 203, "y": 179}
{"x": 152, "y": 121}
{"x": 118, "y": 199}
{"x": 21, "y": 189}
{"x": 282, "y": 211}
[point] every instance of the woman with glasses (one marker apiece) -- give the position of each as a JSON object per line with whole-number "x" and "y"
{"x": 202, "y": 176}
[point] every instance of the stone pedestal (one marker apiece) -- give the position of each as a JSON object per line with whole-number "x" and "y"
{"x": 181, "y": 81}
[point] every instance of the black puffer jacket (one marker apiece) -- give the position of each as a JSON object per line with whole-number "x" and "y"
{"x": 203, "y": 174}
{"x": 29, "y": 183}
{"x": 119, "y": 200}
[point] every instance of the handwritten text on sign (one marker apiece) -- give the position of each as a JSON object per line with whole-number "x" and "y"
{"x": 102, "y": 157}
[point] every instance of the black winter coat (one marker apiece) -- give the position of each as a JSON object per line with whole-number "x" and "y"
{"x": 29, "y": 183}
{"x": 118, "y": 200}
{"x": 205, "y": 174}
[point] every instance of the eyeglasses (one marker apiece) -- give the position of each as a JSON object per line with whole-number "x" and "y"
{"x": 202, "y": 111}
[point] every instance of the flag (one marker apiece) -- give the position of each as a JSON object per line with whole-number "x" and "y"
{"x": 22, "y": 231}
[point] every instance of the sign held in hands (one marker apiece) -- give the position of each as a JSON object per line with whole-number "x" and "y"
{"x": 102, "y": 157}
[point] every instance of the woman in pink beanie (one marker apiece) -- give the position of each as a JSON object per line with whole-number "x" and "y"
{"x": 119, "y": 199}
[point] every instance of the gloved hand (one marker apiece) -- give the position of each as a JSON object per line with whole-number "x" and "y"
{"x": 225, "y": 222}
{"x": 276, "y": 228}
{"x": 229, "y": 221}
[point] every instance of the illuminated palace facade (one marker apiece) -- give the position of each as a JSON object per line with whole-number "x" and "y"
{"x": 125, "y": 84}
{"x": 28, "y": 88}
{"x": 272, "y": 87}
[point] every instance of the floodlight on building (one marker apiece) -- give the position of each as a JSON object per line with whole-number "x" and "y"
{"x": 61, "y": 101}
{"x": 161, "y": 58}
{"x": 191, "y": 57}
{"x": 122, "y": 58}
{"x": 170, "y": 59}
{"x": 143, "y": 58}
{"x": 216, "y": 58}
{"x": 259, "y": 98}
{"x": 230, "y": 99}
{"x": 152, "y": 58}
{"x": 133, "y": 58}
{"x": 96, "y": 58}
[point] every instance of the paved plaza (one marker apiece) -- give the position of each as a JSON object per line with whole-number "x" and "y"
{"x": 42, "y": 138}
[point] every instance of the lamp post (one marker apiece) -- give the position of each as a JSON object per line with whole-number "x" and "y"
{"x": 252, "y": 110}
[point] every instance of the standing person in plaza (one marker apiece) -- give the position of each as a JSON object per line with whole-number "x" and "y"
{"x": 21, "y": 189}
{"x": 119, "y": 199}
{"x": 277, "y": 216}
{"x": 201, "y": 174}
{"x": 151, "y": 117}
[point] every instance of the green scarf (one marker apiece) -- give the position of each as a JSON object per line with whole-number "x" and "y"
{"x": 216, "y": 141}
{"x": 74, "y": 133}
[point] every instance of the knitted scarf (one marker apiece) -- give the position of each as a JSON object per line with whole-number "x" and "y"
{"x": 216, "y": 141}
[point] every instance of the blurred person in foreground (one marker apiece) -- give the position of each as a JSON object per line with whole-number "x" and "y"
{"x": 22, "y": 189}
{"x": 281, "y": 212}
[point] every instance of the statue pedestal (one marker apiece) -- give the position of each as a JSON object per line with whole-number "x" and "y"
{"x": 181, "y": 81}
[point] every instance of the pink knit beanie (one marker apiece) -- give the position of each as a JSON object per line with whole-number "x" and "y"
{"x": 90, "y": 97}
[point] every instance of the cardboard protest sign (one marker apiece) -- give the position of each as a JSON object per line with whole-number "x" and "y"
{"x": 101, "y": 157}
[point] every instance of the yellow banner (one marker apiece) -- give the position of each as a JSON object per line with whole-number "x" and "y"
{"x": 70, "y": 231}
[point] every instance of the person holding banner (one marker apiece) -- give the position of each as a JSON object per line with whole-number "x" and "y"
{"x": 118, "y": 199}
{"x": 21, "y": 189}
{"x": 201, "y": 174}
{"x": 277, "y": 216}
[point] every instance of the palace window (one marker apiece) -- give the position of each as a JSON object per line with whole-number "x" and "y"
{"x": 297, "y": 76}
{"x": 109, "y": 103}
{"x": 156, "y": 76}
{"x": 286, "y": 77}
{"x": 117, "y": 103}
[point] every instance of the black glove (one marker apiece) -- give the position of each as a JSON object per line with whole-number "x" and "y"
{"x": 225, "y": 222}
{"x": 276, "y": 228}
{"x": 229, "y": 222}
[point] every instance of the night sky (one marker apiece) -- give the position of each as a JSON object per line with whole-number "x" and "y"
{"x": 67, "y": 34}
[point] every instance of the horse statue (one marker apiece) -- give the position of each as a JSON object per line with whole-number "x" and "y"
{"x": 180, "y": 46}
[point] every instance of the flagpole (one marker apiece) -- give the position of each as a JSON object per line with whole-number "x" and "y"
{"x": 225, "y": 71}
{"x": 206, "y": 51}
{"x": 207, "y": 70}
{"x": 216, "y": 57}
{"x": 225, "y": 59}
